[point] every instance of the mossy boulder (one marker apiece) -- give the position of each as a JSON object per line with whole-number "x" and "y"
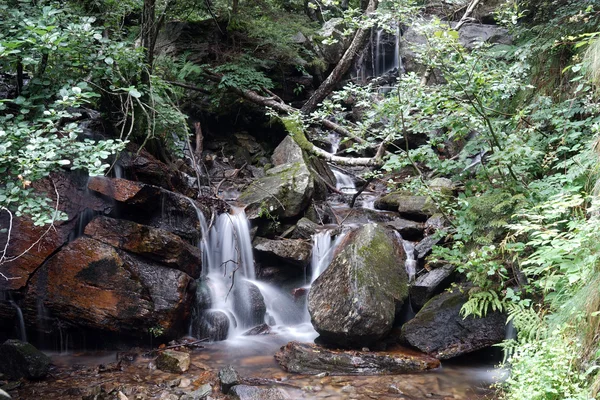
{"x": 354, "y": 302}
{"x": 417, "y": 208}
{"x": 21, "y": 360}
{"x": 172, "y": 361}
{"x": 439, "y": 329}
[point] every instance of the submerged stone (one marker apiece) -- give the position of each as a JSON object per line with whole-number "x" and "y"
{"x": 311, "y": 359}
{"x": 228, "y": 377}
{"x": 245, "y": 392}
{"x": 22, "y": 360}
{"x": 212, "y": 325}
{"x": 355, "y": 300}
{"x": 172, "y": 361}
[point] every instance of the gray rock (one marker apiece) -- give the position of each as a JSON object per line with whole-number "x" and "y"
{"x": 417, "y": 208}
{"x": 287, "y": 152}
{"x": 424, "y": 247}
{"x": 212, "y": 325}
{"x": 471, "y": 35}
{"x": 311, "y": 359}
{"x": 4, "y": 395}
{"x": 201, "y": 393}
{"x": 249, "y": 303}
{"x": 245, "y": 392}
{"x": 172, "y": 361}
{"x": 305, "y": 229}
{"x": 439, "y": 329}
{"x": 354, "y": 301}
{"x": 228, "y": 377}
{"x": 435, "y": 223}
{"x": 22, "y": 360}
{"x": 442, "y": 185}
{"x": 408, "y": 229}
{"x": 429, "y": 284}
{"x": 293, "y": 251}
{"x": 333, "y": 42}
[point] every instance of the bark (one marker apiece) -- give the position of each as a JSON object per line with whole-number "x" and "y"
{"x": 148, "y": 37}
{"x": 360, "y": 38}
{"x": 199, "y": 140}
{"x": 19, "y": 77}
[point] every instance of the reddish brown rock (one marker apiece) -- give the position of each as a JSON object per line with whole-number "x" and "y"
{"x": 121, "y": 189}
{"x": 152, "y": 243}
{"x": 30, "y": 245}
{"x": 311, "y": 359}
{"x": 91, "y": 284}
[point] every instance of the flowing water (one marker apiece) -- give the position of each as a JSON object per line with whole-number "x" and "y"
{"x": 344, "y": 183}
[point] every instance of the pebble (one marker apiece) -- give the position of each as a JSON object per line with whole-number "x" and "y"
{"x": 185, "y": 382}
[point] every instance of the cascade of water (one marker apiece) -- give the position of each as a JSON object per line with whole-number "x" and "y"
{"x": 379, "y": 54}
{"x": 411, "y": 263}
{"x": 344, "y": 183}
{"x": 21, "y": 321}
{"x": 321, "y": 248}
{"x": 335, "y": 140}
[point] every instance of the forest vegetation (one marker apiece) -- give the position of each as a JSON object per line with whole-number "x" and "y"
{"x": 524, "y": 227}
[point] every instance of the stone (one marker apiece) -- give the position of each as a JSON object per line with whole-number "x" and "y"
{"x": 355, "y": 300}
{"x": 201, "y": 393}
{"x": 121, "y": 396}
{"x": 91, "y": 284}
{"x": 417, "y": 208}
{"x": 262, "y": 329}
{"x": 287, "y": 152}
{"x": 332, "y": 41}
{"x": 173, "y": 361}
{"x": 410, "y": 230}
{"x": 435, "y": 223}
{"x": 22, "y": 360}
{"x": 443, "y": 186}
{"x": 245, "y": 392}
{"x": 284, "y": 192}
{"x": 305, "y": 229}
{"x": 228, "y": 377}
{"x": 184, "y": 383}
{"x": 430, "y": 284}
{"x": 312, "y": 359}
{"x": 249, "y": 302}
{"x": 152, "y": 243}
{"x": 212, "y": 325}
{"x": 424, "y": 247}
{"x": 168, "y": 396}
{"x": 292, "y": 251}
{"x": 439, "y": 329}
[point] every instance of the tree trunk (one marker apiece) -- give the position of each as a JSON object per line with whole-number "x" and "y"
{"x": 199, "y": 140}
{"x": 360, "y": 38}
{"x": 148, "y": 37}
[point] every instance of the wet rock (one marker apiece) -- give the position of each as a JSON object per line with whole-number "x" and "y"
{"x": 471, "y": 35}
{"x": 74, "y": 200}
{"x": 417, "y": 208}
{"x": 424, "y": 247}
{"x": 157, "y": 207}
{"x": 172, "y": 361}
{"x": 439, "y": 329}
{"x": 152, "y": 243}
{"x": 168, "y": 396}
{"x": 333, "y": 42}
{"x": 212, "y": 325}
{"x": 354, "y": 301}
{"x": 249, "y": 302}
{"x": 262, "y": 329}
{"x": 4, "y": 395}
{"x": 287, "y": 152}
{"x": 435, "y": 223}
{"x": 89, "y": 283}
{"x": 185, "y": 382}
{"x": 293, "y": 251}
{"x": 228, "y": 377}
{"x": 311, "y": 359}
{"x": 305, "y": 229}
{"x": 410, "y": 230}
{"x": 443, "y": 186}
{"x": 430, "y": 284}
{"x": 22, "y": 360}
{"x": 245, "y": 392}
{"x": 201, "y": 393}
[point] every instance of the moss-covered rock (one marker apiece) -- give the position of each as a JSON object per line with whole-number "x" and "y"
{"x": 21, "y": 360}
{"x": 354, "y": 302}
{"x": 172, "y": 361}
{"x": 439, "y": 329}
{"x": 418, "y": 208}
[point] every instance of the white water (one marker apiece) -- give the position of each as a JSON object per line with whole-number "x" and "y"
{"x": 22, "y": 332}
{"x": 344, "y": 183}
{"x": 411, "y": 263}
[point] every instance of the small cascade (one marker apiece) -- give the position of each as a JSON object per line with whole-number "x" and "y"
{"x": 411, "y": 262}
{"x": 282, "y": 310}
{"x": 21, "y": 321}
{"x": 344, "y": 183}
{"x": 335, "y": 141}
{"x": 379, "y": 54}
{"x": 320, "y": 253}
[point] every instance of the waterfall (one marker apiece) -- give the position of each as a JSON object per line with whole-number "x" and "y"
{"x": 21, "y": 320}
{"x": 411, "y": 263}
{"x": 379, "y": 54}
{"x": 344, "y": 183}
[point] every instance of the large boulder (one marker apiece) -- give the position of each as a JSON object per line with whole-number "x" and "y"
{"x": 311, "y": 359}
{"x": 291, "y": 251}
{"x": 173, "y": 361}
{"x": 354, "y": 301}
{"x": 89, "y": 283}
{"x": 332, "y": 41}
{"x": 211, "y": 324}
{"x": 152, "y": 243}
{"x": 249, "y": 303}
{"x": 154, "y": 206}
{"x": 22, "y": 360}
{"x": 286, "y": 190}
{"x": 439, "y": 329}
